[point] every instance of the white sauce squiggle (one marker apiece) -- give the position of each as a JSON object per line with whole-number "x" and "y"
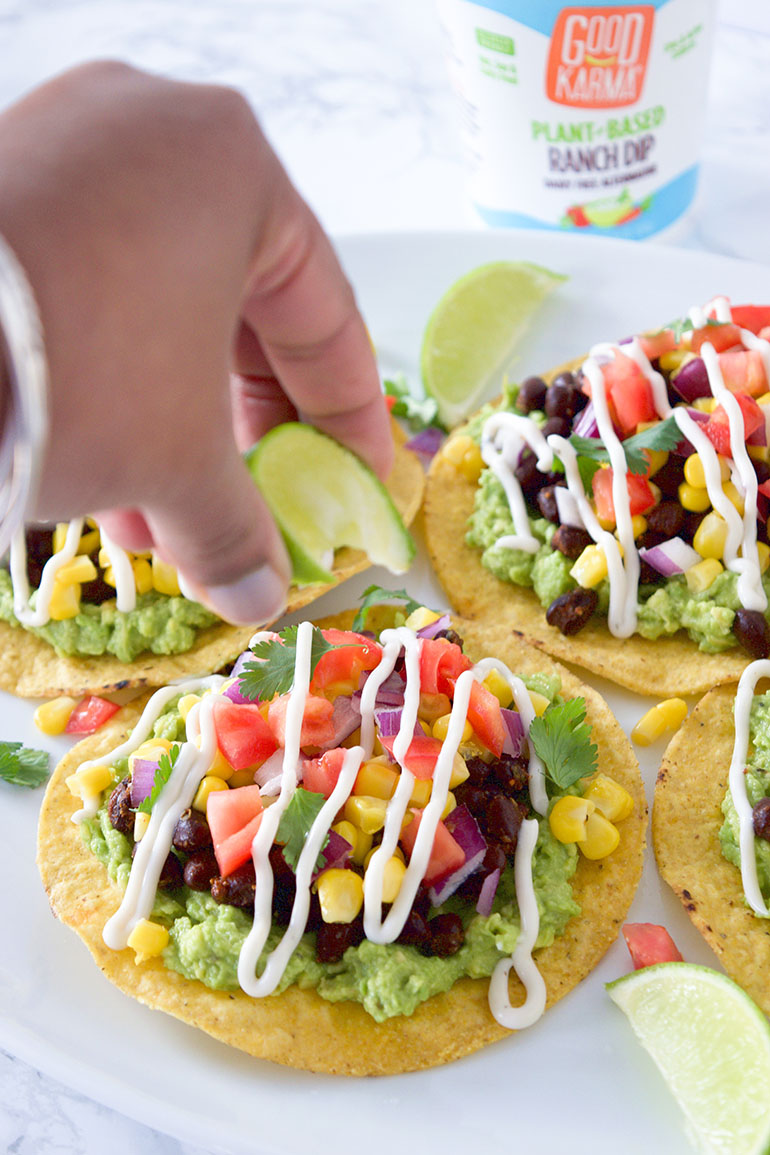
{"x": 737, "y": 779}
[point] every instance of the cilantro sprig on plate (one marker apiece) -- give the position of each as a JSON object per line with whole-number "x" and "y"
{"x": 22, "y": 766}
{"x": 562, "y": 738}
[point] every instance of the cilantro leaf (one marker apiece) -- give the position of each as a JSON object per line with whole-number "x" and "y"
{"x": 294, "y": 827}
{"x": 664, "y": 435}
{"x": 273, "y": 672}
{"x": 685, "y": 325}
{"x": 418, "y": 412}
{"x": 22, "y": 766}
{"x": 373, "y": 595}
{"x": 166, "y": 764}
{"x": 562, "y": 738}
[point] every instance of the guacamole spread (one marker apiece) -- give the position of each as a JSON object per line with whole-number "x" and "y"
{"x": 757, "y": 778}
{"x": 159, "y": 624}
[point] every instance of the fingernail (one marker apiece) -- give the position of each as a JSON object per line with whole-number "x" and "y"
{"x": 255, "y": 599}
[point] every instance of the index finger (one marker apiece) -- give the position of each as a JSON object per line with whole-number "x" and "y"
{"x": 302, "y": 311}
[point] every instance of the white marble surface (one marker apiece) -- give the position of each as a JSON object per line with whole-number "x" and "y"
{"x": 355, "y": 97}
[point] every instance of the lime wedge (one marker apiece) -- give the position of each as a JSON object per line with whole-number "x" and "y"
{"x": 473, "y": 332}
{"x": 323, "y": 497}
{"x": 712, "y": 1046}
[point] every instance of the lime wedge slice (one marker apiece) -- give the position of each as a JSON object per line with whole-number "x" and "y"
{"x": 712, "y": 1046}
{"x": 323, "y": 497}
{"x": 473, "y": 332}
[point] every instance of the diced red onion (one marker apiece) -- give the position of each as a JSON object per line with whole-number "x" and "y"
{"x": 390, "y": 693}
{"x": 241, "y": 661}
{"x": 433, "y": 628}
{"x": 488, "y": 892}
{"x": 233, "y": 692}
{"x": 692, "y": 380}
{"x": 143, "y": 772}
{"x": 671, "y": 557}
{"x": 685, "y": 448}
{"x": 759, "y": 436}
{"x": 567, "y": 507}
{"x": 271, "y": 767}
{"x": 465, "y": 830}
{"x": 514, "y": 739}
{"x": 335, "y": 854}
{"x": 426, "y": 443}
{"x": 346, "y": 717}
{"x": 388, "y": 721}
{"x": 586, "y": 424}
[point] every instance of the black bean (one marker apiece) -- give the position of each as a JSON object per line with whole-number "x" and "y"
{"x": 648, "y": 575}
{"x": 446, "y": 935}
{"x": 191, "y": 831}
{"x": 546, "y": 503}
{"x": 503, "y": 821}
{"x": 39, "y": 540}
{"x": 667, "y": 518}
{"x": 200, "y": 870}
{"x": 670, "y": 476}
{"x": 573, "y": 610}
{"x": 571, "y": 540}
{"x": 415, "y": 931}
{"x": 511, "y": 774}
{"x": 691, "y": 525}
{"x": 478, "y": 771}
{"x": 237, "y": 889}
{"x": 476, "y": 798}
{"x": 564, "y": 398}
{"x": 560, "y": 425}
{"x": 119, "y": 809}
{"x": 171, "y": 874}
{"x": 284, "y": 892}
{"x": 752, "y": 631}
{"x": 451, "y": 636}
{"x": 527, "y": 474}
{"x": 531, "y": 394}
{"x": 761, "y": 817}
{"x": 334, "y": 938}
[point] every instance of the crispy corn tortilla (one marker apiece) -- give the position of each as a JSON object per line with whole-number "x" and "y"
{"x": 299, "y": 1028}
{"x": 667, "y": 666}
{"x": 31, "y": 668}
{"x": 686, "y": 820}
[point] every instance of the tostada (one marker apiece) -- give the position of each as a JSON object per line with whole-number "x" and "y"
{"x": 335, "y": 857}
{"x": 107, "y": 620}
{"x": 615, "y": 514}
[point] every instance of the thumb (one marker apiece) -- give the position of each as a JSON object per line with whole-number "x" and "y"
{"x": 218, "y": 533}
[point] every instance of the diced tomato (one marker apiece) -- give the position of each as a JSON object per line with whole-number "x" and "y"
{"x": 89, "y": 714}
{"x": 751, "y": 317}
{"x": 441, "y": 664}
{"x": 743, "y": 371}
{"x": 390, "y": 402}
{"x": 649, "y": 944}
{"x": 346, "y": 664}
{"x": 640, "y": 494}
{"x": 233, "y": 817}
{"x": 421, "y": 755}
{"x": 717, "y": 428}
{"x": 317, "y": 720}
{"x": 243, "y": 735}
{"x": 764, "y": 488}
{"x": 320, "y": 775}
{"x": 630, "y": 393}
{"x": 720, "y": 336}
{"x": 656, "y": 344}
{"x": 446, "y": 856}
{"x": 486, "y": 719}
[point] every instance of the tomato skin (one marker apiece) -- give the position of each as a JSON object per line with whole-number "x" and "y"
{"x": 441, "y": 663}
{"x": 654, "y": 345}
{"x": 89, "y": 714}
{"x": 243, "y": 736}
{"x": 421, "y": 755}
{"x": 485, "y": 717}
{"x": 320, "y": 775}
{"x": 722, "y": 337}
{"x": 649, "y": 944}
{"x": 751, "y": 317}
{"x": 317, "y": 720}
{"x": 717, "y": 428}
{"x": 640, "y": 494}
{"x": 233, "y": 817}
{"x": 630, "y": 393}
{"x": 345, "y": 664}
{"x": 446, "y": 855}
{"x": 743, "y": 371}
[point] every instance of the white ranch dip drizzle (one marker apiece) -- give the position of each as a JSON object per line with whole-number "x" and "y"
{"x": 125, "y": 582}
{"x": 737, "y": 779}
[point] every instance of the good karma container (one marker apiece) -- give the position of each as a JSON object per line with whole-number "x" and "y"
{"x": 581, "y": 118}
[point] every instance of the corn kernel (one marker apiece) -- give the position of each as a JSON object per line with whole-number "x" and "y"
{"x": 421, "y": 792}
{"x": 711, "y": 535}
{"x": 208, "y": 785}
{"x": 704, "y": 404}
{"x": 142, "y": 575}
{"x": 498, "y": 685}
{"x": 52, "y": 717}
{"x": 420, "y": 618}
{"x": 590, "y": 568}
{"x": 674, "y": 359}
{"x": 59, "y": 536}
{"x": 763, "y": 553}
{"x": 455, "y": 447}
{"x": 608, "y": 796}
{"x": 65, "y": 602}
{"x": 109, "y": 578}
{"x": 638, "y": 525}
{"x": 568, "y": 817}
{"x": 148, "y": 939}
{"x": 141, "y": 822}
{"x": 432, "y": 706}
{"x": 764, "y": 399}
{"x": 89, "y": 781}
{"x": 152, "y": 749}
{"x": 164, "y": 577}
{"x": 242, "y": 778}
{"x": 693, "y": 498}
{"x": 103, "y": 558}
{"x": 694, "y": 473}
{"x": 759, "y": 452}
{"x": 539, "y": 702}
{"x": 376, "y": 779}
{"x": 465, "y": 455}
{"x": 219, "y": 767}
{"x": 460, "y": 772}
{"x": 340, "y": 894}
{"x": 700, "y": 576}
{"x": 392, "y": 878}
{"x": 441, "y": 726}
{"x": 347, "y": 831}
{"x": 186, "y": 703}
{"x": 601, "y": 837}
{"x": 339, "y": 689}
{"x": 658, "y": 720}
{"x": 607, "y": 523}
{"x": 733, "y": 495}
{"x": 449, "y": 805}
{"x": 365, "y": 812}
{"x": 397, "y": 853}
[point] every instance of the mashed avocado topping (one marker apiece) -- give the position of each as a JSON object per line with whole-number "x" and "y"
{"x": 160, "y": 624}
{"x": 757, "y": 778}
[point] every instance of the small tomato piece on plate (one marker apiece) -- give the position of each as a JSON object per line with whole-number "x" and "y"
{"x": 649, "y": 944}
{"x": 243, "y": 736}
{"x": 320, "y": 775}
{"x": 640, "y": 494}
{"x": 89, "y": 714}
{"x": 630, "y": 393}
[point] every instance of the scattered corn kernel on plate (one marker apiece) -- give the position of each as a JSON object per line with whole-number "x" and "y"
{"x": 577, "y": 1080}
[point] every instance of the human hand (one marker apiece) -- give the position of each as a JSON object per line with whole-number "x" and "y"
{"x": 189, "y": 302}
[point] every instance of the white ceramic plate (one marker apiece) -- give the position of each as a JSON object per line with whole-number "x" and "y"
{"x": 577, "y": 1081}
